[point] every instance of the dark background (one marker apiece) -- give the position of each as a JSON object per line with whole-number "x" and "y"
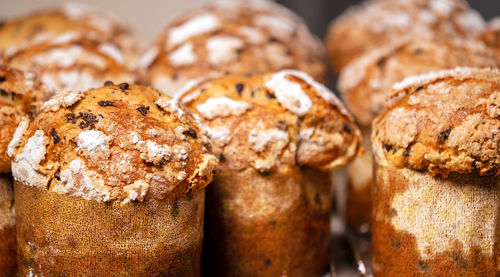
{"x": 318, "y": 13}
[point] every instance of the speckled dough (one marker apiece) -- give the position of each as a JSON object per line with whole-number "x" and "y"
{"x": 116, "y": 143}
{"x": 366, "y": 81}
{"x": 73, "y": 47}
{"x": 20, "y": 95}
{"x": 7, "y": 228}
{"x": 236, "y": 37}
{"x": 377, "y": 22}
{"x": 442, "y": 122}
{"x": 269, "y": 203}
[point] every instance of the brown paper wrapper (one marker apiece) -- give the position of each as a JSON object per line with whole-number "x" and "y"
{"x": 430, "y": 226}
{"x": 63, "y": 235}
{"x": 7, "y": 229}
{"x": 268, "y": 225}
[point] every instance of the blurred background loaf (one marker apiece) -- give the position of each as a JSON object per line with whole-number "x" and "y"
{"x": 317, "y": 13}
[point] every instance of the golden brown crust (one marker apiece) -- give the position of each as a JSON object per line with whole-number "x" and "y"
{"x": 491, "y": 36}
{"x": 116, "y": 143}
{"x": 366, "y": 81}
{"x": 71, "y": 48}
{"x": 377, "y": 22}
{"x": 20, "y": 95}
{"x": 442, "y": 122}
{"x": 67, "y": 23}
{"x": 272, "y": 120}
{"x": 236, "y": 37}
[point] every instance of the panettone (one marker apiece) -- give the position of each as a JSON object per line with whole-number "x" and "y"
{"x": 269, "y": 203}
{"x": 437, "y": 194}
{"x": 236, "y": 37}
{"x": 118, "y": 174}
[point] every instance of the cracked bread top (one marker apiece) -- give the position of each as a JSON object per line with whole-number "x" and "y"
{"x": 115, "y": 143}
{"x": 235, "y": 37}
{"x": 442, "y": 122}
{"x": 267, "y": 121}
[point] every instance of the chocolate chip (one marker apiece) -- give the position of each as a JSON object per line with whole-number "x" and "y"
{"x": 347, "y": 128}
{"x": 417, "y": 51}
{"x": 55, "y": 136}
{"x": 191, "y": 132}
{"x": 268, "y": 262}
{"x": 239, "y": 88}
{"x": 394, "y": 151}
{"x": 443, "y": 136}
{"x": 273, "y": 222}
{"x": 252, "y": 93}
{"x": 264, "y": 173}
{"x": 89, "y": 120}
{"x": 2, "y": 79}
{"x": 222, "y": 158}
{"x": 406, "y": 153}
{"x": 394, "y": 242}
{"x": 106, "y": 103}
{"x": 420, "y": 88}
{"x": 108, "y": 83}
{"x": 387, "y": 147}
{"x": 123, "y": 86}
{"x": 281, "y": 125}
{"x": 270, "y": 96}
{"x": 70, "y": 117}
{"x": 143, "y": 110}
{"x": 160, "y": 108}
{"x": 57, "y": 175}
{"x": 423, "y": 266}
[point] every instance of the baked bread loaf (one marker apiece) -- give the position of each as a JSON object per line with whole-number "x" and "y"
{"x": 270, "y": 203}
{"x": 118, "y": 174}
{"x": 7, "y": 228}
{"x": 491, "y": 36}
{"x": 437, "y": 193}
{"x": 20, "y": 95}
{"x": 376, "y": 22}
{"x": 236, "y": 37}
{"x": 71, "y": 48}
{"x": 366, "y": 81}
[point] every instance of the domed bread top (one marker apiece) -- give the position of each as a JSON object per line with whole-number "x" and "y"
{"x": 491, "y": 36}
{"x": 273, "y": 120}
{"x": 20, "y": 95}
{"x": 366, "y": 81}
{"x": 442, "y": 122}
{"x": 68, "y": 23}
{"x": 115, "y": 143}
{"x": 72, "y": 66}
{"x": 236, "y": 37}
{"x": 377, "y": 22}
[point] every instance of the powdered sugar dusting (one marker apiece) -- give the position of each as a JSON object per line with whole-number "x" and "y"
{"x": 25, "y": 165}
{"x": 91, "y": 141}
{"x": 148, "y": 57}
{"x": 14, "y": 143}
{"x": 65, "y": 99}
{"x": 280, "y": 26}
{"x": 78, "y": 181}
{"x": 183, "y": 55}
{"x": 112, "y": 51}
{"x": 222, "y": 49}
{"x": 60, "y": 57}
{"x": 136, "y": 191}
{"x": 429, "y": 77}
{"x": 171, "y": 106}
{"x": 222, "y": 107}
{"x": 289, "y": 93}
{"x": 200, "y": 24}
{"x": 219, "y": 135}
